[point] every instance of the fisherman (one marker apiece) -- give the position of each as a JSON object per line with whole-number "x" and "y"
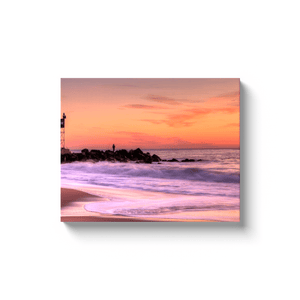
{"x": 114, "y": 147}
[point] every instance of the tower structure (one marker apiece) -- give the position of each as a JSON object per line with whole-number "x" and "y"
{"x": 62, "y": 132}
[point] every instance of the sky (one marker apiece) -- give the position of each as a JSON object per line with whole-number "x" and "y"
{"x": 151, "y": 113}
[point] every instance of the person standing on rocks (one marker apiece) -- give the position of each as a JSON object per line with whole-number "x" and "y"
{"x": 114, "y": 147}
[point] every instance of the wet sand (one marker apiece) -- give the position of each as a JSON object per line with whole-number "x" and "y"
{"x": 73, "y": 202}
{"x": 72, "y": 208}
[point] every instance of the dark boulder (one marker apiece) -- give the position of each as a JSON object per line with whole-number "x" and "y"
{"x": 118, "y": 157}
{"x": 173, "y": 160}
{"x": 109, "y": 152}
{"x": 65, "y": 158}
{"x": 111, "y": 159}
{"x": 74, "y": 157}
{"x": 141, "y": 156}
{"x": 137, "y": 152}
{"x": 124, "y": 159}
{"x": 122, "y": 153}
{"x": 85, "y": 151}
{"x": 95, "y": 154}
{"x": 148, "y": 159}
{"x": 95, "y": 151}
{"x": 109, "y": 155}
{"x": 188, "y": 160}
{"x": 155, "y": 158}
{"x": 80, "y": 157}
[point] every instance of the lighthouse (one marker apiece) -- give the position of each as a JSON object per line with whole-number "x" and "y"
{"x": 63, "y": 136}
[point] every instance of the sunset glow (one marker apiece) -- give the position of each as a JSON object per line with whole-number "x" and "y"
{"x": 151, "y": 113}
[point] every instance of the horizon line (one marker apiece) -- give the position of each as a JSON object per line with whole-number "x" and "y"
{"x": 208, "y": 148}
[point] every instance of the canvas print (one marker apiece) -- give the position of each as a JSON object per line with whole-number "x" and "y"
{"x": 150, "y": 150}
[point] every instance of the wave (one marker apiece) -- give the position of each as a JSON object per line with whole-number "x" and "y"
{"x": 157, "y": 210}
{"x": 132, "y": 170}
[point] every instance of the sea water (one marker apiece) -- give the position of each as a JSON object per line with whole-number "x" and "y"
{"x": 208, "y": 189}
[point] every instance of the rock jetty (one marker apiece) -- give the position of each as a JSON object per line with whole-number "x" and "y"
{"x": 136, "y": 155}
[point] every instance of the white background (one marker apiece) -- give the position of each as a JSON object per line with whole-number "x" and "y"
{"x": 257, "y": 41}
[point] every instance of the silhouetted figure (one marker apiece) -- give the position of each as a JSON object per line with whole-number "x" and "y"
{"x": 114, "y": 147}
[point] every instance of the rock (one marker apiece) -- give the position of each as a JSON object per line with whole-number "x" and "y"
{"x": 188, "y": 160}
{"x": 137, "y": 153}
{"x": 80, "y": 157}
{"x": 124, "y": 159}
{"x": 96, "y": 152}
{"x": 65, "y": 158}
{"x": 173, "y": 160}
{"x": 155, "y": 158}
{"x": 200, "y": 159}
{"x": 111, "y": 159}
{"x": 85, "y": 151}
{"x": 141, "y": 156}
{"x": 74, "y": 157}
{"x": 122, "y": 153}
{"x": 109, "y": 155}
{"x": 96, "y": 155}
{"x": 148, "y": 160}
{"x": 109, "y": 152}
{"x": 65, "y": 151}
{"x": 138, "y": 150}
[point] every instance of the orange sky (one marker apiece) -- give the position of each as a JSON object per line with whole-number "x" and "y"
{"x": 151, "y": 113}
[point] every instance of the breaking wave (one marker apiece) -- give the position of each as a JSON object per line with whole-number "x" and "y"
{"x": 92, "y": 171}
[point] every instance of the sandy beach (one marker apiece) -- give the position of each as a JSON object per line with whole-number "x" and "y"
{"x": 72, "y": 208}
{"x": 73, "y": 202}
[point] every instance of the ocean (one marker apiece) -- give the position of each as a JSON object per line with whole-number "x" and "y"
{"x": 206, "y": 190}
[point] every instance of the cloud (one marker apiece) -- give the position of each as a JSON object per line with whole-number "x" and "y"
{"x": 189, "y": 116}
{"x": 129, "y": 133}
{"x": 205, "y": 111}
{"x": 170, "y": 101}
{"x": 142, "y": 106}
{"x": 231, "y": 98}
{"x": 232, "y": 94}
{"x": 162, "y": 99}
{"x": 152, "y": 121}
{"x": 226, "y": 103}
